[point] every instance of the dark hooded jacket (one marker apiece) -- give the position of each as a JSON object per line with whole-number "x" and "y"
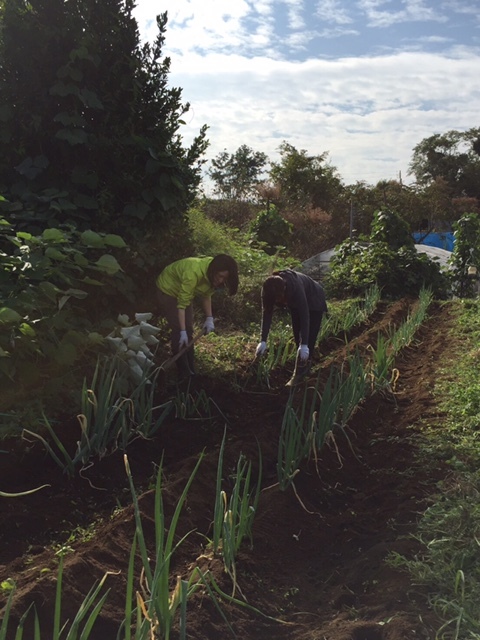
{"x": 304, "y": 295}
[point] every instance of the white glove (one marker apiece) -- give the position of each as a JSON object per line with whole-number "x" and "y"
{"x": 303, "y": 352}
{"x": 183, "y": 339}
{"x": 261, "y": 348}
{"x": 208, "y": 325}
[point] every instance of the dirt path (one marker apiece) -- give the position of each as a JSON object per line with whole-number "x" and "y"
{"x": 318, "y": 556}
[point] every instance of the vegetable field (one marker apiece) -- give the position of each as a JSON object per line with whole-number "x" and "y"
{"x": 312, "y": 561}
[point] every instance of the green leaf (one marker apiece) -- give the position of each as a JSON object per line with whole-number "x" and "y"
{"x": 80, "y": 259}
{"x": 62, "y": 204}
{"x": 90, "y": 99}
{"x": 92, "y": 239}
{"x": 23, "y": 235}
{"x": 53, "y": 235}
{"x": 54, "y": 254}
{"x": 27, "y": 330}
{"x": 97, "y": 283}
{"x": 69, "y": 293}
{"x": 178, "y": 183}
{"x": 76, "y": 293}
{"x": 66, "y": 354}
{"x": 139, "y": 210}
{"x": 7, "y": 585}
{"x": 8, "y": 316}
{"x": 114, "y": 240}
{"x": 108, "y": 264}
{"x": 50, "y": 290}
{"x": 95, "y": 338}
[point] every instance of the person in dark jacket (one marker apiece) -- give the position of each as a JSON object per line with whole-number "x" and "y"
{"x": 305, "y": 299}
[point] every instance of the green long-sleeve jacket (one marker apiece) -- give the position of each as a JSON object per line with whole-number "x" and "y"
{"x": 185, "y": 279}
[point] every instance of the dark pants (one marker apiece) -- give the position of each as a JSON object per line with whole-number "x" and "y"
{"x": 315, "y": 323}
{"x": 167, "y": 307}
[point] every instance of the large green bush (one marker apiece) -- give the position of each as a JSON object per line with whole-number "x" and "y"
{"x": 271, "y": 229}
{"x": 466, "y": 254}
{"x": 57, "y": 290}
{"x": 388, "y": 259}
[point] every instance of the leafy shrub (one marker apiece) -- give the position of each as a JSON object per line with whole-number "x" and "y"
{"x": 271, "y": 228}
{"x": 397, "y": 269}
{"x": 466, "y": 254}
{"x": 391, "y": 228}
{"x": 53, "y": 288}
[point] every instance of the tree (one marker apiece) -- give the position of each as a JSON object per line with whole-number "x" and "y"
{"x": 271, "y": 229}
{"x": 466, "y": 255}
{"x": 390, "y": 228}
{"x": 305, "y": 181}
{"x": 237, "y": 175}
{"x": 453, "y": 156}
{"x": 421, "y": 207}
{"x": 89, "y": 130}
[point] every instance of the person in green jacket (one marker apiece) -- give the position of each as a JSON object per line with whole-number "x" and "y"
{"x": 178, "y": 285}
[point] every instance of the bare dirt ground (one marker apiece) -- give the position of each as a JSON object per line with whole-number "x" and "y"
{"x": 318, "y": 559}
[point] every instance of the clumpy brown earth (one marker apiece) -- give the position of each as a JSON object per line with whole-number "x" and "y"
{"x": 317, "y": 567}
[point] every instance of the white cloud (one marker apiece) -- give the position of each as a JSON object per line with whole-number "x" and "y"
{"x": 368, "y": 112}
{"x": 411, "y": 11}
{"x": 462, "y": 7}
{"x": 332, "y": 11}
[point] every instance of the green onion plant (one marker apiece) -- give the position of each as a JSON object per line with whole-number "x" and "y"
{"x": 156, "y": 604}
{"x": 234, "y": 516}
{"x": 108, "y": 419}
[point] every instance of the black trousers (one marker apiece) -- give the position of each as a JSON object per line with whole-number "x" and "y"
{"x": 315, "y": 323}
{"x": 167, "y": 307}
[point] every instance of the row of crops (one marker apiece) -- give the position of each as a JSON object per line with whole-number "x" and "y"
{"x": 313, "y": 415}
{"x": 113, "y": 413}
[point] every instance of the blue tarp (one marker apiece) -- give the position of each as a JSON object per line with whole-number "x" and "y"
{"x": 443, "y": 240}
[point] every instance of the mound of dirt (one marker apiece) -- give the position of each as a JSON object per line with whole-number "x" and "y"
{"x": 317, "y": 566}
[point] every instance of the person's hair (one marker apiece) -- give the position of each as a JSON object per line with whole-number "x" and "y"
{"x": 272, "y": 289}
{"x": 224, "y": 262}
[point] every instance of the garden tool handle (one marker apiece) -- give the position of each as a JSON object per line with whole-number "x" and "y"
{"x": 168, "y": 363}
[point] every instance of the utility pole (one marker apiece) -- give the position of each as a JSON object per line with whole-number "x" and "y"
{"x": 351, "y": 218}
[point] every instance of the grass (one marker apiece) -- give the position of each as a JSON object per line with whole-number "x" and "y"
{"x": 343, "y": 315}
{"x": 450, "y": 528}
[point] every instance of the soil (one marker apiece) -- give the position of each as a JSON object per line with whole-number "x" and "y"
{"x": 317, "y": 567}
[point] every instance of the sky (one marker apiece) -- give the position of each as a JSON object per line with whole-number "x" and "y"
{"x": 363, "y": 80}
